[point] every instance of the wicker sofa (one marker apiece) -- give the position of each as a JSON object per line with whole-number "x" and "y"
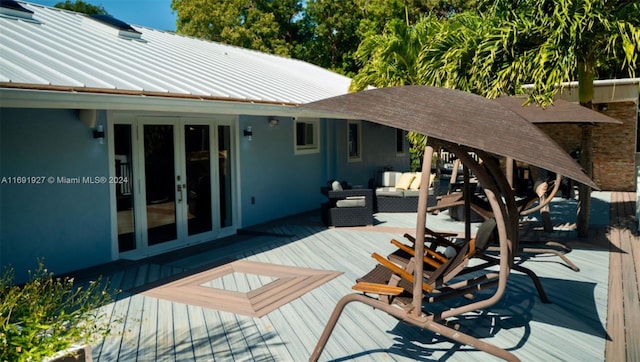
{"x": 397, "y": 191}
{"x": 347, "y": 207}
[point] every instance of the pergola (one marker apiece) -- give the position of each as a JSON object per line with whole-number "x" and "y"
{"x": 463, "y": 123}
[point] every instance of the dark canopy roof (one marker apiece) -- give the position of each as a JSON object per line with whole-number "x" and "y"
{"x": 457, "y": 117}
{"x": 560, "y": 111}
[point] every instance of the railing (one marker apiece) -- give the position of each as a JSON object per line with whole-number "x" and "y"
{"x": 447, "y": 157}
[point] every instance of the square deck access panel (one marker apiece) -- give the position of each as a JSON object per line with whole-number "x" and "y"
{"x": 244, "y": 287}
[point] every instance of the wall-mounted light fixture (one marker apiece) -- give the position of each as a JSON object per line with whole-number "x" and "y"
{"x": 98, "y": 133}
{"x": 248, "y": 132}
{"x": 273, "y": 121}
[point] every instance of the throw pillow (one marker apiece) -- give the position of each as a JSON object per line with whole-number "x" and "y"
{"x": 415, "y": 184}
{"x": 405, "y": 180}
{"x": 336, "y": 186}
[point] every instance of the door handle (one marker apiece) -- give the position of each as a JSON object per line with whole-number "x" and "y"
{"x": 179, "y": 193}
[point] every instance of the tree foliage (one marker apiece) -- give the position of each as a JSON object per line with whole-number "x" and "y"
{"x": 264, "y": 25}
{"x": 81, "y": 7}
{"x": 508, "y": 44}
{"x": 322, "y": 32}
{"x": 332, "y": 29}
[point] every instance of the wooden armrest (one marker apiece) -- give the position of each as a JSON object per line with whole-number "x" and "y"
{"x": 410, "y": 250}
{"x": 398, "y": 270}
{"x": 439, "y": 241}
{"x": 436, "y": 255}
{"x": 375, "y": 288}
{"x": 439, "y": 234}
{"x": 472, "y": 248}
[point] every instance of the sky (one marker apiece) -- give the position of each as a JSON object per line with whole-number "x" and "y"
{"x": 154, "y": 14}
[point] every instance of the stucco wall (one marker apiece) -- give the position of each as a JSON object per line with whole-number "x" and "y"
{"x": 378, "y": 152}
{"x": 281, "y": 183}
{"x": 613, "y": 146}
{"x": 66, "y": 224}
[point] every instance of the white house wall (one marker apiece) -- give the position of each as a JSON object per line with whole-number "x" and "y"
{"x": 67, "y": 224}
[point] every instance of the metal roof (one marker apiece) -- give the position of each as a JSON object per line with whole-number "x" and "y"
{"x": 61, "y": 50}
{"x": 457, "y": 117}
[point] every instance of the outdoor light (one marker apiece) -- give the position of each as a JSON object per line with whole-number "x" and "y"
{"x": 98, "y": 133}
{"x": 273, "y": 121}
{"x": 248, "y": 132}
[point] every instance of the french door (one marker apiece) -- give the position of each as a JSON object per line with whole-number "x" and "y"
{"x": 179, "y": 187}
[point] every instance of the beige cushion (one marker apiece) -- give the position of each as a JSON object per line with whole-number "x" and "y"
{"x": 389, "y": 191}
{"x": 405, "y": 180}
{"x": 358, "y": 201}
{"x": 415, "y": 184}
{"x": 411, "y": 193}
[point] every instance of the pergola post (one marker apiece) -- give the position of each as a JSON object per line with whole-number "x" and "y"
{"x": 584, "y": 191}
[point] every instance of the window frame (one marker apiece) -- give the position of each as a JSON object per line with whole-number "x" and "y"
{"x": 358, "y": 156}
{"x": 307, "y": 148}
{"x": 401, "y": 135}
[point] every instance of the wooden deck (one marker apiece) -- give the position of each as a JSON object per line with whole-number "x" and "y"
{"x": 586, "y": 321}
{"x": 623, "y": 313}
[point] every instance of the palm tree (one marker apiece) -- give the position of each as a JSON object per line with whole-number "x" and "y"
{"x": 510, "y": 43}
{"x": 558, "y": 41}
{"x": 392, "y": 58}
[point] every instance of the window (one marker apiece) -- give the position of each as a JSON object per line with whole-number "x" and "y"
{"x": 306, "y": 136}
{"x": 400, "y": 145}
{"x": 354, "y": 144}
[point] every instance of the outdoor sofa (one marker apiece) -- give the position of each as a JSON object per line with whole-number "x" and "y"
{"x": 398, "y": 191}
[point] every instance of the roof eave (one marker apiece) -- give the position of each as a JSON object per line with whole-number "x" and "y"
{"x": 21, "y": 97}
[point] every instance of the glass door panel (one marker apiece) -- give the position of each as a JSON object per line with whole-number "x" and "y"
{"x": 174, "y": 194}
{"x": 160, "y": 183}
{"x": 224, "y": 176}
{"x": 198, "y": 171}
{"x": 124, "y": 191}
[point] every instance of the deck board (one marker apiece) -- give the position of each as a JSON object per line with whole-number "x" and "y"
{"x": 623, "y": 316}
{"x": 164, "y": 335}
{"x": 112, "y": 348}
{"x": 631, "y": 304}
{"x": 276, "y": 347}
{"x": 615, "y": 346}
{"x": 182, "y": 333}
{"x": 219, "y": 343}
{"x": 148, "y": 330}
{"x": 132, "y": 330}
